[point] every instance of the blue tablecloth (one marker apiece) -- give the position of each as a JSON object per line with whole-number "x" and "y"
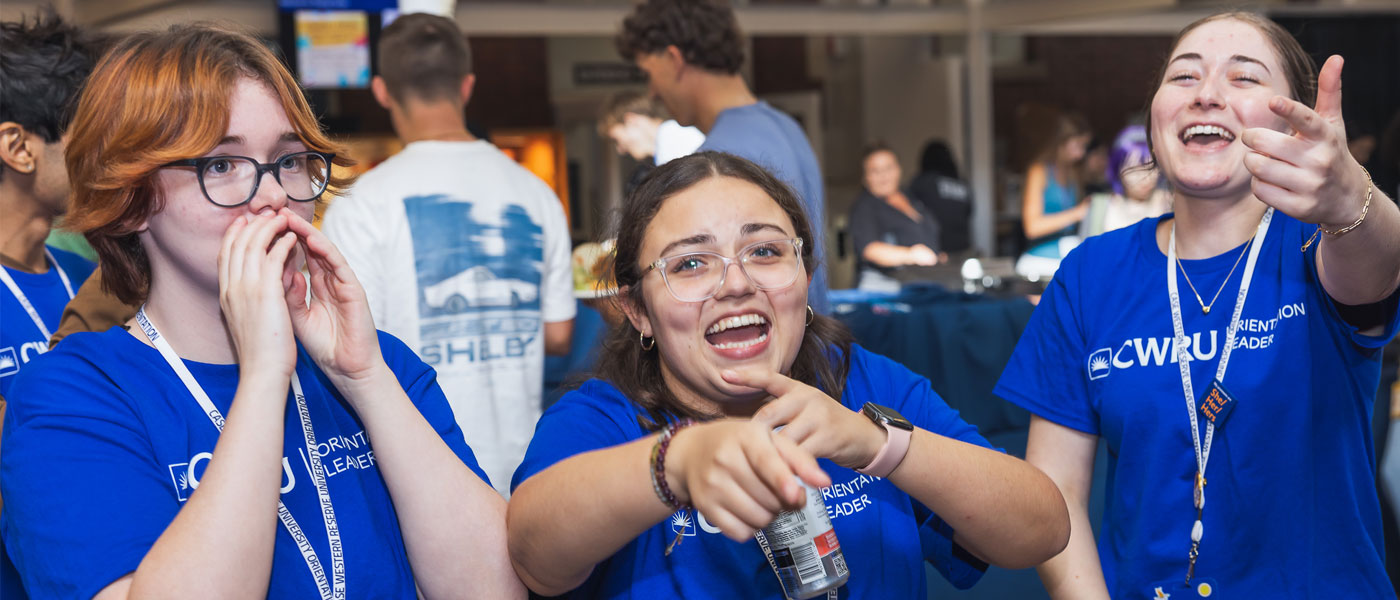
{"x": 960, "y": 342}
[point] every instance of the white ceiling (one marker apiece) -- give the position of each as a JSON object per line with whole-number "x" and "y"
{"x": 825, "y": 17}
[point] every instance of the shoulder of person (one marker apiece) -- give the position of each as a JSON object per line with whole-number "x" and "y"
{"x": 866, "y": 201}
{"x": 514, "y": 173}
{"x": 596, "y": 392}
{"x": 395, "y": 351}
{"x": 75, "y": 374}
{"x": 870, "y": 365}
{"x": 75, "y": 265}
{"x": 1110, "y": 252}
{"x": 598, "y": 400}
{"x": 874, "y": 377}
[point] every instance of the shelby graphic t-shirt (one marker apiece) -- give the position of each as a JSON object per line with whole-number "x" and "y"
{"x": 464, "y": 255}
{"x": 1291, "y": 508}
{"x": 20, "y": 340}
{"x": 104, "y": 444}
{"x": 884, "y": 534}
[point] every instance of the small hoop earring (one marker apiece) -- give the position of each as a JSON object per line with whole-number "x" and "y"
{"x": 642, "y": 339}
{"x": 811, "y": 315}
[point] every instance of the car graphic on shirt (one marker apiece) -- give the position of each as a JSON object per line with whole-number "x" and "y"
{"x": 478, "y": 287}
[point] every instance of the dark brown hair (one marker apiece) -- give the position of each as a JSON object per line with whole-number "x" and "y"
{"x": 705, "y": 31}
{"x": 45, "y": 64}
{"x": 424, "y": 57}
{"x": 824, "y": 357}
{"x": 158, "y": 97}
{"x": 1299, "y": 70}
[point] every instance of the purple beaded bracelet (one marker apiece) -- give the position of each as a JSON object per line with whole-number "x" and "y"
{"x": 658, "y": 465}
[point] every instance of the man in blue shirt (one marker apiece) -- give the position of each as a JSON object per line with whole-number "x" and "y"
{"x": 45, "y": 63}
{"x": 692, "y": 52}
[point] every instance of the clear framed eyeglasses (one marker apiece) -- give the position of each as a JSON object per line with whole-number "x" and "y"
{"x": 233, "y": 180}
{"x": 698, "y": 276}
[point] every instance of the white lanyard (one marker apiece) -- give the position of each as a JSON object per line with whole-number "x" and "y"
{"x": 1183, "y": 359}
{"x": 332, "y": 587}
{"x": 24, "y": 300}
{"x": 1179, "y": 331}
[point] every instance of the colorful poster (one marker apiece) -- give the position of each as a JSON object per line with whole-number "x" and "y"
{"x": 333, "y": 48}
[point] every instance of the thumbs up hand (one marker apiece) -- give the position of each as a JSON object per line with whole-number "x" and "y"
{"x": 1309, "y": 175}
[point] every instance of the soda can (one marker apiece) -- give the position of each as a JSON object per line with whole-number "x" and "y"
{"x": 801, "y": 547}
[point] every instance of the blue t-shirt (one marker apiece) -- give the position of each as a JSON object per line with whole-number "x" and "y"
{"x": 103, "y": 445}
{"x": 776, "y": 142}
{"x": 884, "y": 534}
{"x": 1291, "y": 506}
{"x": 20, "y": 340}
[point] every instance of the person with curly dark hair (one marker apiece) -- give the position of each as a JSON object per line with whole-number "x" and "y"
{"x": 45, "y": 63}
{"x": 691, "y": 51}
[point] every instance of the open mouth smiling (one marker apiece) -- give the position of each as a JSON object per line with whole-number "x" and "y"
{"x": 1206, "y": 135}
{"x": 738, "y": 331}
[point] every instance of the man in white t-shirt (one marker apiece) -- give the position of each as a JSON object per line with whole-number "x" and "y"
{"x": 463, "y": 253}
{"x": 637, "y": 124}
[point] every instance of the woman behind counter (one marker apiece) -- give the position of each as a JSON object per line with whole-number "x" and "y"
{"x": 650, "y": 481}
{"x": 889, "y": 229}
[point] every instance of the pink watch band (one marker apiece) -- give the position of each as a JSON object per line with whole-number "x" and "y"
{"x": 890, "y": 455}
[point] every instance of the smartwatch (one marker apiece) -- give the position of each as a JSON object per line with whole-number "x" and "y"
{"x": 898, "y": 430}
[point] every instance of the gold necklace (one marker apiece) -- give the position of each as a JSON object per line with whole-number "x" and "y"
{"x": 1205, "y": 308}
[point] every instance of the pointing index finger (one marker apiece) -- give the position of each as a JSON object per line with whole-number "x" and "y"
{"x": 772, "y": 382}
{"x": 1302, "y": 119}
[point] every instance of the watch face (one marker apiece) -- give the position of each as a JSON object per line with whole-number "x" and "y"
{"x": 886, "y": 416}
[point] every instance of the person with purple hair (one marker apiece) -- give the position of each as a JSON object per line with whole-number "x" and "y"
{"x": 1136, "y": 195}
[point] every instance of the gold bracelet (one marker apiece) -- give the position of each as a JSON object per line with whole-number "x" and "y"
{"x": 1365, "y": 208}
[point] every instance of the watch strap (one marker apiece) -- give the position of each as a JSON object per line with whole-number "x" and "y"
{"x": 891, "y": 454}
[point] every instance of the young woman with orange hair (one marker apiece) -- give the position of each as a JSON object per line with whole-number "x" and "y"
{"x": 121, "y": 475}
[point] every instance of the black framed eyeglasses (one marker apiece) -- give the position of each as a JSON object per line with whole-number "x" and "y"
{"x": 231, "y": 181}
{"x": 698, "y": 276}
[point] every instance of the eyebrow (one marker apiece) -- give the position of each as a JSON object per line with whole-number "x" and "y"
{"x": 694, "y": 240}
{"x": 705, "y": 238}
{"x": 752, "y": 228}
{"x": 290, "y": 136}
{"x": 1238, "y": 58}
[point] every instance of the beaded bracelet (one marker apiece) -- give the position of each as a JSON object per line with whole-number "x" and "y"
{"x": 658, "y": 465}
{"x": 1365, "y": 208}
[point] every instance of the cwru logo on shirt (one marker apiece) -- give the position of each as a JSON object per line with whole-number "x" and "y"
{"x": 9, "y": 362}
{"x": 185, "y": 476}
{"x": 1253, "y": 334}
{"x": 1100, "y": 364}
